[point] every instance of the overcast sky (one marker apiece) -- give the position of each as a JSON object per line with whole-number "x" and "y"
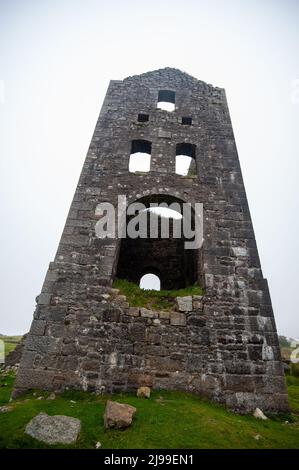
{"x": 56, "y": 60}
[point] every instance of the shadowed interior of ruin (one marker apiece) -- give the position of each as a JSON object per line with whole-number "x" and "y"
{"x": 175, "y": 266}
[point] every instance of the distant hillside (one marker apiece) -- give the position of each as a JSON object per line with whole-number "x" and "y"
{"x": 285, "y": 346}
{"x": 285, "y": 342}
{"x": 10, "y": 342}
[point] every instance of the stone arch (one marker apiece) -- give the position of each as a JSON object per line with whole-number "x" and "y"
{"x": 177, "y": 266}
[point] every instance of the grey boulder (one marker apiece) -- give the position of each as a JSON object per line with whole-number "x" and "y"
{"x": 52, "y": 430}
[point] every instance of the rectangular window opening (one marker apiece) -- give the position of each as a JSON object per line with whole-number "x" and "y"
{"x": 142, "y": 117}
{"x": 166, "y": 100}
{"x": 187, "y": 121}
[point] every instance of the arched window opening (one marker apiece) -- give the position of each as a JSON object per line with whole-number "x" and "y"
{"x": 166, "y": 100}
{"x": 140, "y": 158}
{"x": 185, "y": 163}
{"x": 150, "y": 282}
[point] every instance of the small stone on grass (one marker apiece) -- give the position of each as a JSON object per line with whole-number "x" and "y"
{"x": 259, "y": 414}
{"x": 5, "y": 409}
{"x": 118, "y": 415}
{"x": 143, "y": 392}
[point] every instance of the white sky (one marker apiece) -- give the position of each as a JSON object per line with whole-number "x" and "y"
{"x": 56, "y": 60}
{"x": 150, "y": 282}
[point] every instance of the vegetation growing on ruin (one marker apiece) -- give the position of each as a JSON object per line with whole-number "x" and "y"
{"x": 153, "y": 299}
{"x": 166, "y": 420}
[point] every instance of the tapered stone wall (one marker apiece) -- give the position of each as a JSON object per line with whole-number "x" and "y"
{"x": 86, "y": 336}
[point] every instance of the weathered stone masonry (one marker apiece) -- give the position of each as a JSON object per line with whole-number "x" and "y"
{"x": 86, "y": 336}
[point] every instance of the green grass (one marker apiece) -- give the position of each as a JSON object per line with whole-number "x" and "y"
{"x": 167, "y": 420}
{"x": 10, "y": 343}
{"x": 153, "y": 299}
{"x": 293, "y": 391}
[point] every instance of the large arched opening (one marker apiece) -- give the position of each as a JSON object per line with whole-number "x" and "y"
{"x": 160, "y": 252}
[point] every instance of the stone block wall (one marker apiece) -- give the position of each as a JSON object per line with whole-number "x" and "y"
{"x": 86, "y": 336}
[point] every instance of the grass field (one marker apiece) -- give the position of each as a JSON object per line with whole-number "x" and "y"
{"x": 166, "y": 420}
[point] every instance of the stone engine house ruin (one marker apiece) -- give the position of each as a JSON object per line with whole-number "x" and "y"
{"x": 85, "y": 335}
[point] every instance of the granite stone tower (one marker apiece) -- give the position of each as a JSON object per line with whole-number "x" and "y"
{"x": 85, "y": 335}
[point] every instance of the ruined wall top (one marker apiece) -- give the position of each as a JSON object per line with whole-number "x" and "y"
{"x": 170, "y": 75}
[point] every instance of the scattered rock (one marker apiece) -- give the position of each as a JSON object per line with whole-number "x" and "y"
{"x": 98, "y": 445}
{"x": 8, "y": 369}
{"x": 52, "y": 396}
{"x": 118, "y": 415}
{"x": 257, "y": 437}
{"x": 5, "y": 408}
{"x": 54, "y": 429}
{"x": 143, "y": 392}
{"x": 160, "y": 401}
{"x": 40, "y": 398}
{"x": 259, "y": 414}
